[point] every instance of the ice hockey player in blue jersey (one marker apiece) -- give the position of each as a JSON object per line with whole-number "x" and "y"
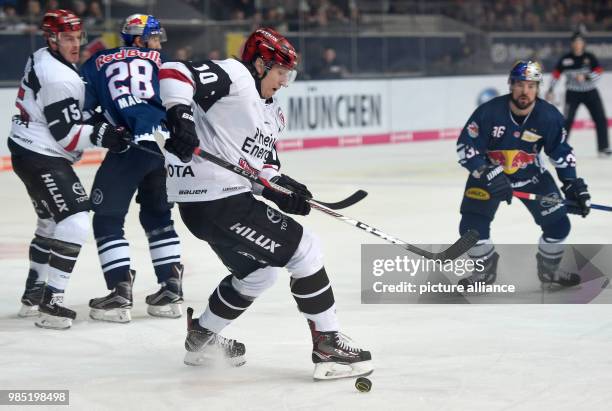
{"x": 501, "y": 146}
{"x": 124, "y": 83}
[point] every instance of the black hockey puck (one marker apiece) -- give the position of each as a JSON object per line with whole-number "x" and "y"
{"x": 363, "y": 384}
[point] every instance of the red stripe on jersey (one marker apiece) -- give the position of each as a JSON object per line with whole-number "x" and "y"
{"x": 556, "y": 74}
{"x": 598, "y": 70}
{"x": 174, "y": 74}
{"x": 270, "y": 166}
{"x": 22, "y": 112}
{"x": 75, "y": 140}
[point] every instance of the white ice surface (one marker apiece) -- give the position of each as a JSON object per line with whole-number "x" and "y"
{"x": 428, "y": 357}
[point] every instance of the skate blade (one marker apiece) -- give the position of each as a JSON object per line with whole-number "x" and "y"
{"x": 199, "y": 358}
{"x": 52, "y": 322}
{"x": 165, "y": 311}
{"x": 333, "y": 371}
{"x": 28, "y": 311}
{"x": 115, "y": 315}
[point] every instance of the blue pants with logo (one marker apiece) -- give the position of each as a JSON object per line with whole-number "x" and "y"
{"x": 477, "y": 212}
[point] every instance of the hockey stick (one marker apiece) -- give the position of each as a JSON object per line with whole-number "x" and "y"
{"x": 463, "y": 244}
{"x": 354, "y": 198}
{"x": 555, "y": 200}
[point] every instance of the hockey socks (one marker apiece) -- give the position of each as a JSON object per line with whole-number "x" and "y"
{"x": 315, "y": 299}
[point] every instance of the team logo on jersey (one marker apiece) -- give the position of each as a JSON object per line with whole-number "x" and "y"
{"x": 97, "y": 196}
{"x": 511, "y": 160}
{"x": 477, "y": 194}
{"x": 530, "y": 137}
{"x": 281, "y": 118}
{"x": 152, "y": 55}
{"x": 259, "y": 239}
{"x": 473, "y": 129}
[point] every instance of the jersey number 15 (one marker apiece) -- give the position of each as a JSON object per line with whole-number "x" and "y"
{"x": 140, "y": 74}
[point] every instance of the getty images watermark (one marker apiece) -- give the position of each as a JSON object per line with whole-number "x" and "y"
{"x": 391, "y": 275}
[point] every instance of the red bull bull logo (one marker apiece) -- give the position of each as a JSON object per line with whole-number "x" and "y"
{"x": 511, "y": 160}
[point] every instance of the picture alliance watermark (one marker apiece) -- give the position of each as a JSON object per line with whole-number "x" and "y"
{"x": 510, "y": 274}
{"x": 411, "y": 266}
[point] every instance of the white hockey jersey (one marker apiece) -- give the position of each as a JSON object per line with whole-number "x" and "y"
{"x": 50, "y": 100}
{"x": 232, "y": 122}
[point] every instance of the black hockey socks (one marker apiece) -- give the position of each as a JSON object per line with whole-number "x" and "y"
{"x": 226, "y": 302}
{"x": 313, "y": 294}
{"x": 40, "y": 250}
{"x": 61, "y": 263}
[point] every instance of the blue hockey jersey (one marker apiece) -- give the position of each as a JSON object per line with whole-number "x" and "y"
{"x": 492, "y": 136}
{"x": 124, "y": 82}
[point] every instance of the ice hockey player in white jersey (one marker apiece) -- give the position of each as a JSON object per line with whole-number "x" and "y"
{"x": 226, "y": 107}
{"x": 46, "y": 137}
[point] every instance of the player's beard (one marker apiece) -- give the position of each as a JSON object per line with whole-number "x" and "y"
{"x": 522, "y": 105}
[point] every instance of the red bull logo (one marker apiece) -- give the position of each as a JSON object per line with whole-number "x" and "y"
{"x": 511, "y": 160}
{"x": 142, "y": 19}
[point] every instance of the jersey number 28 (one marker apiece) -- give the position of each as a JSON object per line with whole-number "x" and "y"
{"x": 140, "y": 74}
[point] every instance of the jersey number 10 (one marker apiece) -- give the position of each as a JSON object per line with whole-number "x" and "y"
{"x": 140, "y": 74}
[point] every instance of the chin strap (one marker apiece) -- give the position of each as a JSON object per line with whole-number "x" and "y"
{"x": 256, "y": 77}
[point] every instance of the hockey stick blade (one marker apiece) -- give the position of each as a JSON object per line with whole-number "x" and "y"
{"x": 460, "y": 247}
{"x": 354, "y": 198}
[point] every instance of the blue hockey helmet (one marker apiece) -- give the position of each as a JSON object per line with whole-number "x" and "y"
{"x": 525, "y": 70}
{"x": 141, "y": 25}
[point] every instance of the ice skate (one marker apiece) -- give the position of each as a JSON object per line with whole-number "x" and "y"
{"x": 550, "y": 275}
{"x": 335, "y": 356}
{"x": 115, "y": 307}
{"x": 206, "y": 347}
{"x": 31, "y": 296}
{"x": 53, "y": 314}
{"x": 167, "y": 301}
{"x": 605, "y": 153}
{"x": 488, "y": 275}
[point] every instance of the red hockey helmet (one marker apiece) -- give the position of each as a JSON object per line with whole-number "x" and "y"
{"x": 60, "y": 21}
{"x": 272, "y": 47}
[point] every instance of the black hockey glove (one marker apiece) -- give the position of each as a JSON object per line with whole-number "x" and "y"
{"x": 496, "y": 182}
{"x": 292, "y": 204}
{"x": 183, "y": 138}
{"x": 577, "y": 192}
{"x": 108, "y": 136}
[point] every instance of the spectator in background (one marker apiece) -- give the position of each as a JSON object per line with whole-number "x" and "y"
{"x": 79, "y": 7}
{"x": 184, "y": 53}
{"x": 329, "y": 68}
{"x": 214, "y": 54}
{"x": 94, "y": 14}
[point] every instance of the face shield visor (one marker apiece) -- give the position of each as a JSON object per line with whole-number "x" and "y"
{"x": 287, "y": 75}
{"x": 63, "y": 37}
{"x": 159, "y": 33}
